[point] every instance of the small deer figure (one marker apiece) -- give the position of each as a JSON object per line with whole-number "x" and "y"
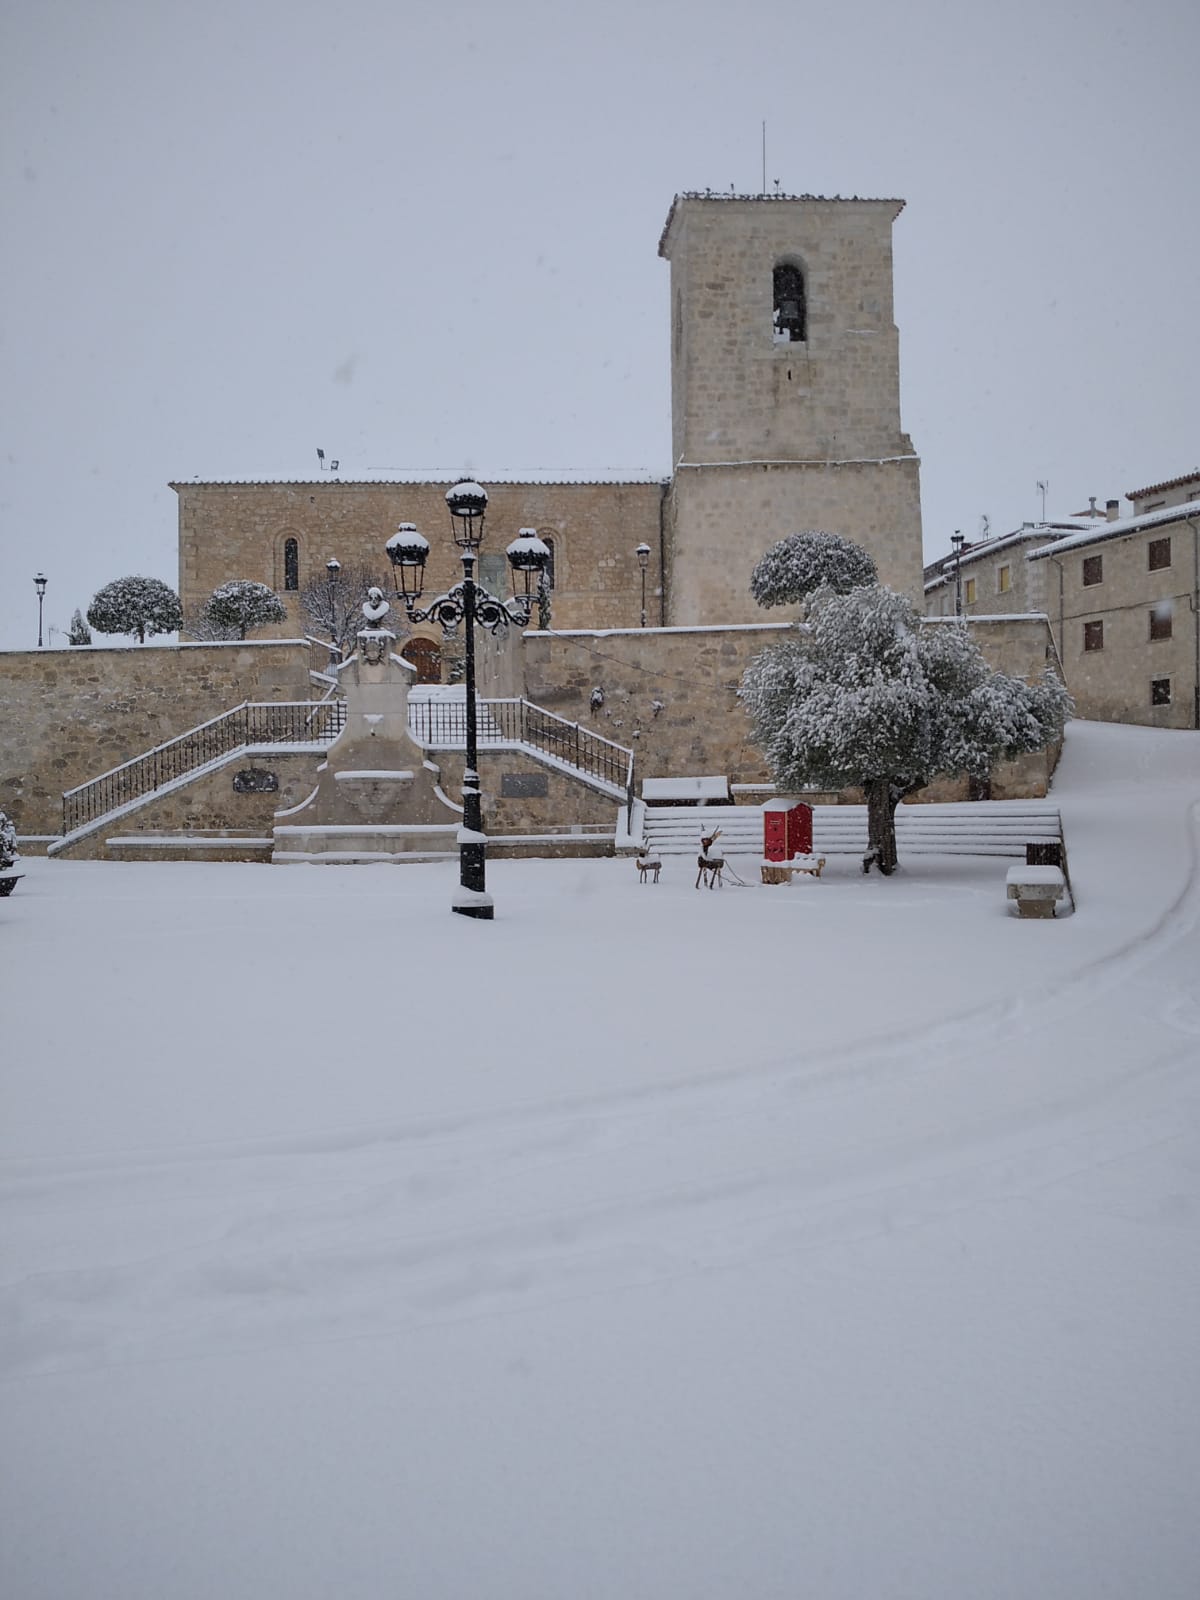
{"x": 710, "y": 867}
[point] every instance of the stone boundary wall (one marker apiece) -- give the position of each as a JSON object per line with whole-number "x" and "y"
{"x": 671, "y": 695}
{"x": 69, "y": 715}
{"x": 208, "y": 807}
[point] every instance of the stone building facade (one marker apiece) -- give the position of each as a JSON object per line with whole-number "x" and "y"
{"x": 1122, "y": 594}
{"x": 1124, "y": 603}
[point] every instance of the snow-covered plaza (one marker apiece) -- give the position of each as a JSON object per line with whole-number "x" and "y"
{"x": 837, "y": 1239}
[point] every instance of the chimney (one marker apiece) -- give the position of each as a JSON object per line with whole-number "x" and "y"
{"x": 1112, "y": 510}
{"x": 1092, "y": 511}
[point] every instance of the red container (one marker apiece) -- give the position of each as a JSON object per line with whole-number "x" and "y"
{"x": 787, "y": 830}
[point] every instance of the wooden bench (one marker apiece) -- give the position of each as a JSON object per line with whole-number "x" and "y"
{"x": 1037, "y": 890}
{"x": 785, "y": 871}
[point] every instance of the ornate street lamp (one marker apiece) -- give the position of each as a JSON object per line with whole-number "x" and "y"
{"x": 468, "y": 604}
{"x": 39, "y": 583}
{"x": 643, "y": 554}
{"x": 334, "y": 568}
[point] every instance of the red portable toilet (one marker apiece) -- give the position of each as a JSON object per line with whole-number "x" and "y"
{"x": 787, "y": 829}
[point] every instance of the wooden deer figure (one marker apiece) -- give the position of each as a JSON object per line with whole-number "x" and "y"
{"x": 710, "y": 867}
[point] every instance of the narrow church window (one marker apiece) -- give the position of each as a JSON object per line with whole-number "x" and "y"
{"x": 789, "y": 318}
{"x": 291, "y": 564}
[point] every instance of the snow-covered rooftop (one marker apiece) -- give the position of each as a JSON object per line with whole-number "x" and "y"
{"x": 941, "y": 571}
{"x": 1115, "y": 530}
{"x": 327, "y": 480}
{"x": 1167, "y": 483}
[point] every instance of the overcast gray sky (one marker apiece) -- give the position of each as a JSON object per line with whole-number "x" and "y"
{"x": 423, "y": 237}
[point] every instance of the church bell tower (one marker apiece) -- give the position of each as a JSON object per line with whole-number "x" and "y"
{"x": 785, "y": 393}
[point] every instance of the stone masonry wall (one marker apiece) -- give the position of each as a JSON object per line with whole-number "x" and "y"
{"x": 722, "y": 519}
{"x": 238, "y": 530}
{"x": 210, "y": 807}
{"x": 69, "y": 715}
{"x": 671, "y": 695}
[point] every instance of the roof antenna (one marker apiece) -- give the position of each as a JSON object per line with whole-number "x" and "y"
{"x": 321, "y": 457}
{"x": 764, "y": 154}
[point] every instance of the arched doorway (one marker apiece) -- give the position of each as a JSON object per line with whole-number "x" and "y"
{"x": 426, "y": 656}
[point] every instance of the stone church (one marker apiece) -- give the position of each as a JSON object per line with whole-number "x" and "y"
{"x": 785, "y": 397}
{"x": 785, "y": 401}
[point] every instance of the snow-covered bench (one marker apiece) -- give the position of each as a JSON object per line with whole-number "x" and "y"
{"x": 1037, "y": 890}
{"x": 783, "y": 871}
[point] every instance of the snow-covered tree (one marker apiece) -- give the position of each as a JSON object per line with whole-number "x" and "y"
{"x": 243, "y": 604}
{"x": 8, "y": 843}
{"x": 144, "y": 606}
{"x": 868, "y": 694}
{"x": 797, "y": 567}
{"x": 79, "y": 632}
{"x": 332, "y": 603}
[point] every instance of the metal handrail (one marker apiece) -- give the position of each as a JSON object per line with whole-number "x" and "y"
{"x": 252, "y": 722}
{"x": 442, "y": 724}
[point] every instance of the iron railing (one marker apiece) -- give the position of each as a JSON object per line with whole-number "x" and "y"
{"x": 251, "y": 723}
{"x": 441, "y": 724}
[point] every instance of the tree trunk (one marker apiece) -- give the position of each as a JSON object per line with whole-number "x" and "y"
{"x": 881, "y": 827}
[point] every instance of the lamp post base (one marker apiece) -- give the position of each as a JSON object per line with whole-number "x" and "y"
{"x": 473, "y": 903}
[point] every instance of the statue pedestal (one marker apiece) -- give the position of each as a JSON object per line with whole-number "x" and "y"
{"x": 377, "y": 798}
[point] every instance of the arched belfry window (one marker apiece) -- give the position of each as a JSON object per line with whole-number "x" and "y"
{"x": 291, "y": 564}
{"x": 790, "y": 319}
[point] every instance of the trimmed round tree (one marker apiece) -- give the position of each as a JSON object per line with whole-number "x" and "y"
{"x": 243, "y": 604}
{"x": 799, "y": 565}
{"x": 143, "y": 606}
{"x": 8, "y": 843}
{"x": 868, "y": 694}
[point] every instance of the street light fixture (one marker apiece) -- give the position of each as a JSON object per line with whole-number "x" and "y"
{"x": 468, "y": 604}
{"x": 39, "y": 584}
{"x": 643, "y": 554}
{"x": 957, "y": 540}
{"x": 333, "y": 567}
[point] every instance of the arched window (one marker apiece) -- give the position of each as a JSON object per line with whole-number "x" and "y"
{"x": 790, "y": 317}
{"x": 291, "y": 563}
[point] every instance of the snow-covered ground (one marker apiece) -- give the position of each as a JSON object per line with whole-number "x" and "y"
{"x": 838, "y": 1239}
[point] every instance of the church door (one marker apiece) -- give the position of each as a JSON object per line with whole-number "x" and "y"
{"x": 426, "y": 656}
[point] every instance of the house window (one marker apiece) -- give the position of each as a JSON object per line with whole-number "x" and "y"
{"x": 1093, "y": 570}
{"x": 1004, "y": 580}
{"x": 1161, "y": 620}
{"x": 1093, "y": 636}
{"x": 1158, "y": 554}
{"x": 1160, "y": 691}
{"x": 969, "y": 592}
{"x": 790, "y": 312}
{"x": 291, "y": 563}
